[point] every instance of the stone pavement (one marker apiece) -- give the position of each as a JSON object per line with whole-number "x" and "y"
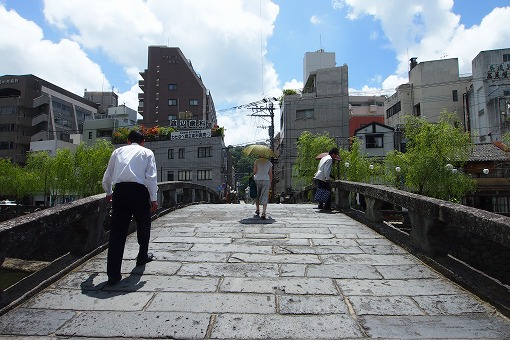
{"x": 220, "y": 273}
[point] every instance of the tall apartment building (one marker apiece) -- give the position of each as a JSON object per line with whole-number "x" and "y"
{"x": 488, "y": 106}
{"x": 323, "y": 106}
{"x": 172, "y": 92}
{"x": 38, "y": 115}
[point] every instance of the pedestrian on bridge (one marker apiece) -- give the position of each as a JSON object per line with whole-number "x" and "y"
{"x": 130, "y": 183}
{"x": 322, "y": 177}
{"x": 263, "y": 175}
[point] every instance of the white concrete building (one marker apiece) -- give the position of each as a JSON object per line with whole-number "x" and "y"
{"x": 323, "y": 106}
{"x": 488, "y": 106}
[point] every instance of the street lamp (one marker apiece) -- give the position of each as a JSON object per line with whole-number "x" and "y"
{"x": 485, "y": 171}
{"x": 347, "y": 165}
{"x": 371, "y": 167}
{"x": 398, "y": 169}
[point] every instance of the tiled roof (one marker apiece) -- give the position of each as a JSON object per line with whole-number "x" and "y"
{"x": 489, "y": 152}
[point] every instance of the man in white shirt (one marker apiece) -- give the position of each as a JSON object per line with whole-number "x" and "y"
{"x": 130, "y": 183}
{"x": 323, "y": 174}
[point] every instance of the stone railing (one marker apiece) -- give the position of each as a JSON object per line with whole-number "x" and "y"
{"x": 66, "y": 233}
{"x": 446, "y": 235}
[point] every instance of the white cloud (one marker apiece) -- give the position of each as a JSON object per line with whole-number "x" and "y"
{"x": 315, "y": 20}
{"x": 429, "y": 29}
{"x": 25, "y": 51}
{"x": 225, "y": 41}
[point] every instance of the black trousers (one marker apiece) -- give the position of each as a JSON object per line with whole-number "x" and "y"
{"x": 128, "y": 200}
{"x": 324, "y": 185}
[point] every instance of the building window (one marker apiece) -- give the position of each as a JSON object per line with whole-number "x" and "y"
{"x": 6, "y": 127}
{"x": 204, "y": 175}
{"x": 7, "y": 110}
{"x": 181, "y": 153}
{"x": 396, "y": 108}
{"x": 374, "y": 141}
{"x": 104, "y": 133}
{"x": 193, "y": 102}
{"x": 6, "y": 145}
{"x": 305, "y": 114}
{"x": 184, "y": 175}
{"x": 172, "y": 102}
{"x": 455, "y": 96}
{"x": 90, "y": 134}
{"x": 172, "y": 87}
{"x": 172, "y": 117}
{"x": 170, "y": 153}
{"x": 204, "y": 152}
{"x": 506, "y": 57}
{"x": 170, "y": 176}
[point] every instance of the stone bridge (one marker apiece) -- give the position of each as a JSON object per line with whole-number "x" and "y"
{"x": 222, "y": 273}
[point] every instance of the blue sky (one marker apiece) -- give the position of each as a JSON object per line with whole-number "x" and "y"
{"x": 243, "y": 49}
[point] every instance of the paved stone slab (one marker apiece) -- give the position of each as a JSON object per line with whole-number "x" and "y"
{"x": 354, "y": 271}
{"x": 335, "y": 242}
{"x": 23, "y": 321}
{"x": 288, "y": 285}
{"x": 137, "y": 324}
{"x": 232, "y": 248}
{"x": 255, "y": 241}
{"x": 260, "y": 258}
{"x": 369, "y": 259}
{"x": 406, "y": 271}
{"x": 411, "y": 287}
{"x": 153, "y": 268}
{"x": 189, "y": 256}
{"x": 385, "y": 305}
{"x": 214, "y": 303}
{"x": 451, "y": 304}
{"x": 249, "y": 326}
{"x": 90, "y": 300}
{"x": 311, "y": 304}
{"x": 434, "y": 327}
{"x": 195, "y": 240}
{"x": 293, "y": 269}
{"x": 230, "y": 269}
{"x": 318, "y": 250}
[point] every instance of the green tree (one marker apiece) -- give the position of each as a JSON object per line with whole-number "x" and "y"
{"x": 91, "y": 162}
{"x": 243, "y": 165}
{"x": 433, "y": 151}
{"x": 39, "y": 163}
{"x": 64, "y": 171}
{"x": 308, "y": 147}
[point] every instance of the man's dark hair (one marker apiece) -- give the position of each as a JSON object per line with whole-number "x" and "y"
{"x": 136, "y": 136}
{"x": 334, "y": 151}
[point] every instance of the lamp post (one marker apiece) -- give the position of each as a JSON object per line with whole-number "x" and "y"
{"x": 347, "y": 164}
{"x": 399, "y": 184}
{"x": 371, "y": 168}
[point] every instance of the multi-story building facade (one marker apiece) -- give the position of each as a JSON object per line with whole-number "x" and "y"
{"x": 488, "y": 106}
{"x": 38, "y": 115}
{"x": 104, "y": 125}
{"x": 364, "y": 110}
{"x": 172, "y": 92}
{"x": 201, "y": 159}
{"x": 323, "y": 106}
{"x": 103, "y": 100}
{"x": 434, "y": 86}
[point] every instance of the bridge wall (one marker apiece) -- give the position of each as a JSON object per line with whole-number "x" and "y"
{"x": 438, "y": 228}
{"x": 82, "y": 225}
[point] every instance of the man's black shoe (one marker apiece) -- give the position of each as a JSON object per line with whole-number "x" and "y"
{"x": 141, "y": 262}
{"x": 113, "y": 282}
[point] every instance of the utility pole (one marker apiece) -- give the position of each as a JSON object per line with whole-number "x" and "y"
{"x": 267, "y": 111}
